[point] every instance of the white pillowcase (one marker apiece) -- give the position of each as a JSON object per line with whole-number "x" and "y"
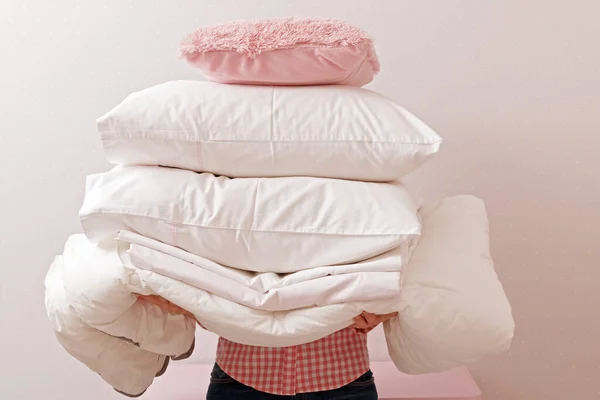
{"x": 262, "y": 131}
{"x": 256, "y": 224}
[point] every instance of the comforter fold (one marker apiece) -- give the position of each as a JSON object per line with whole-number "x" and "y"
{"x": 372, "y": 279}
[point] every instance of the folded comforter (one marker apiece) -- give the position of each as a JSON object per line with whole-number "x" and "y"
{"x": 375, "y": 278}
{"x": 452, "y": 308}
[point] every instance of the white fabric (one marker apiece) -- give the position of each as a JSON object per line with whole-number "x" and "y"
{"x": 453, "y": 310}
{"x": 122, "y": 364}
{"x": 102, "y": 285}
{"x": 259, "y": 131}
{"x": 256, "y": 224}
{"x": 391, "y": 261}
{"x": 127, "y": 342}
{"x": 286, "y": 292}
{"x": 452, "y": 307}
{"x": 88, "y": 287}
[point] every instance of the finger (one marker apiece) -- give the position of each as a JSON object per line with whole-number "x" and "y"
{"x": 360, "y": 322}
{"x": 150, "y": 299}
{"x": 372, "y": 319}
{"x": 175, "y": 309}
{"x": 357, "y": 319}
{"x": 363, "y": 331}
{"x": 386, "y": 317}
{"x": 189, "y": 315}
{"x": 163, "y": 304}
{"x": 159, "y": 301}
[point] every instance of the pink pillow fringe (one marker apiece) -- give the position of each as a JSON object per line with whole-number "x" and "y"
{"x": 252, "y": 38}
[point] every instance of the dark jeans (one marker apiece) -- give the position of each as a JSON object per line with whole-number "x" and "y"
{"x": 224, "y": 387}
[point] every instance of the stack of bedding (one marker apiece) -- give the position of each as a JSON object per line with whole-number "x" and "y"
{"x": 269, "y": 204}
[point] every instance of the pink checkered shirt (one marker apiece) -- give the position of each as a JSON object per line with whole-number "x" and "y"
{"x": 325, "y": 364}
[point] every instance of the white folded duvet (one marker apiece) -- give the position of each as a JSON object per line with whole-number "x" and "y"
{"x": 375, "y": 278}
{"x": 452, "y": 307}
{"x": 391, "y": 261}
{"x": 255, "y": 224}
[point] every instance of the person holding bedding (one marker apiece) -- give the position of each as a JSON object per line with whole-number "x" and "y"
{"x": 334, "y": 367}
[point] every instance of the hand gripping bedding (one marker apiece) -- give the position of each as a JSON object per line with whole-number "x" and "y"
{"x": 265, "y": 225}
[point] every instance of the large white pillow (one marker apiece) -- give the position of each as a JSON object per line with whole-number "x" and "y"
{"x": 256, "y": 224}
{"x": 261, "y": 131}
{"x": 453, "y": 309}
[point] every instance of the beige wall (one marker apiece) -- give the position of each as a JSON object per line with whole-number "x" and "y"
{"x": 513, "y": 86}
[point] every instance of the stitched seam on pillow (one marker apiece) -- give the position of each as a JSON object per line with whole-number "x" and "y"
{"x": 139, "y": 137}
{"x": 199, "y": 153}
{"x": 105, "y": 212}
{"x": 272, "y": 129}
{"x": 254, "y": 204}
{"x": 283, "y": 48}
{"x": 355, "y": 71}
{"x": 272, "y": 114}
{"x": 371, "y": 56}
{"x": 173, "y": 234}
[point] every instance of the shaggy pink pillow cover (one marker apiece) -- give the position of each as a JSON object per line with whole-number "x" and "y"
{"x": 290, "y": 51}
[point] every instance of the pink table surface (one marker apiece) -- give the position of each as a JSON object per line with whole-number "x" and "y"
{"x": 190, "y": 381}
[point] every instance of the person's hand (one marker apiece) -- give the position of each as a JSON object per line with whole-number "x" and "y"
{"x": 366, "y": 322}
{"x": 166, "y": 305}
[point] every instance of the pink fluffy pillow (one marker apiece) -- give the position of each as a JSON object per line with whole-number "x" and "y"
{"x": 290, "y": 51}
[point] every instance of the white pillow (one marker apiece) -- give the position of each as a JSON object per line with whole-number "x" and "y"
{"x": 453, "y": 310}
{"x": 261, "y": 131}
{"x": 255, "y": 224}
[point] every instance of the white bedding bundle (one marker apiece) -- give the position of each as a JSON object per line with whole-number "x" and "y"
{"x": 275, "y": 215}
